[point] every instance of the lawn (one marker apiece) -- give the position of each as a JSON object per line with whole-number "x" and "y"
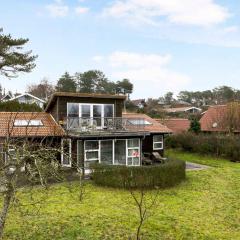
{"x": 205, "y": 206}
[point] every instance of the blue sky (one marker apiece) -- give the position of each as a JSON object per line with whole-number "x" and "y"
{"x": 159, "y": 45}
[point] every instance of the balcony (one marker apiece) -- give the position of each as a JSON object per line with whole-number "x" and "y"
{"x": 104, "y": 125}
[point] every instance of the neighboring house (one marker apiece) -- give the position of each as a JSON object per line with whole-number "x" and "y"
{"x": 183, "y": 110}
{"x": 6, "y": 97}
{"x": 28, "y": 98}
{"x": 98, "y": 131}
{"x": 139, "y": 103}
{"x": 18, "y": 126}
{"x": 177, "y": 125}
{"x": 213, "y": 119}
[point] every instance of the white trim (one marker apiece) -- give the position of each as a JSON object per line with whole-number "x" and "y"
{"x": 27, "y": 94}
{"x": 157, "y": 142}
{"x": 69, "y": 151}
{"x": 138, "y": 148}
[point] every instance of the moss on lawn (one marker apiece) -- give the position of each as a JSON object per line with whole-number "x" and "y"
{"x": 205, "y": 206}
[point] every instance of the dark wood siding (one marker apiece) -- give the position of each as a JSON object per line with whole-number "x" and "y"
{"x": 59, "y": 108}
{"x": 147, "y": 144}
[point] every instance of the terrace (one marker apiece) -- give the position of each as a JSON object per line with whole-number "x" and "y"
{"x": 105, "y": 125}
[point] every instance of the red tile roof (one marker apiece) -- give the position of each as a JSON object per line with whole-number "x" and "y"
{"x": 177, "y": 125}
{"x": 212, "y": 120}
{"x": 49, "y": 127}
{"x": 153, "y": 127}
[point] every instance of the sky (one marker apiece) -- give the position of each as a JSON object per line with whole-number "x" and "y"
{"x": 160, "y": 45}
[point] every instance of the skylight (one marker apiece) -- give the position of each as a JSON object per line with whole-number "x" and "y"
{"x": 139, "y": 122}
{"x": 25, "y": 123}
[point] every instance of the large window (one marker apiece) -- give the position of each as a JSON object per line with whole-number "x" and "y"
{"x": 118, "y": 151}
{"x": 89, "y": 114}
{"x": 66, "y": 152}
{"x": 107, "y": 151}
{"x": 157, "y": 142}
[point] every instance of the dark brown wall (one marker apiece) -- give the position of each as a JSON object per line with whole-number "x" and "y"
{"x": 147, "y": 145}
{"x": 59, "y": 108}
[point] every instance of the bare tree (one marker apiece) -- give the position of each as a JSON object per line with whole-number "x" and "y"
{"x": 145, "y": 202}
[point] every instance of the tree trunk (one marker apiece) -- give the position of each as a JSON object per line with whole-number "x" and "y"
{"x": 6, "y": 203}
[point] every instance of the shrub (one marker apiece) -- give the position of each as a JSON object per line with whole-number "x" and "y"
{"x": 164, "y": 175}
{"x": 213, "y": 144}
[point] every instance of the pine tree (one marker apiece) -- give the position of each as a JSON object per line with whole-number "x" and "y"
{"x": 66, "y": 83}
{"x": 12, "y": 59}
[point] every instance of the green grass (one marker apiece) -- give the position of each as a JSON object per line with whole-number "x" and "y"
{"x": 205, "y": 206}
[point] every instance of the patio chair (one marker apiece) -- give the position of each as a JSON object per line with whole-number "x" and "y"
{"x": 158, "y": 158}
{"x": 146, "y": 160}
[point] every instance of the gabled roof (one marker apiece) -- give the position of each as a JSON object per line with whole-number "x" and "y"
{"x": 181, "y": 109}
{"x": 29, "y": 95}
{"x": 177, "y": 125}
{"x": 49, "y": 126}
{"x": 82, "y": 95}
{"x": 138, "y": 101}
{"x": 8, "y": 96}
{"x": 153, "y": 127}
{"x": 213, "y": 118}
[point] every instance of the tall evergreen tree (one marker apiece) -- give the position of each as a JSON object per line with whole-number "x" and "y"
{"x": 66, "y": 83}
{"x": 12, "y": 59}
{"x": 124, "y": 86}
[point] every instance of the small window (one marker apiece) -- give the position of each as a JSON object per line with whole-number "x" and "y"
{"x": 24, "y": 123}
{"x": 157, "y": 142}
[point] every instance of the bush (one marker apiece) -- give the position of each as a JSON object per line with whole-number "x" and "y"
{"x": 212, "y": 144}
{"x": 161, "y": 176}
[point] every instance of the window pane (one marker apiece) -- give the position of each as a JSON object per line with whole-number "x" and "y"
{"x": 120, "y": 152}
{"x": 133, "y": 143}
{"x": 157, "y": 146}
{"x": 129, "y": 162}
{"x": 133, "y": 153}
{"x": 158, "y": 138}
{"x": 97, "y": 114}
{"x": 73, "y": 110}
{"x": 66, "y": 151}
{"x": 136, "y": 161}
{"x": 108, "y": 110}
{"x": 92, "y": 155}
{"x": 85, "y": 111}
{"x": 106, "y": 152}
{"x": 91, "y": 145}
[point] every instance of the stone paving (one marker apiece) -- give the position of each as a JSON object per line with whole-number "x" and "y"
{"x": 195, "y": 166}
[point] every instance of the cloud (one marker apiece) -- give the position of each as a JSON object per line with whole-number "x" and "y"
{"x": 184, "y": 12}
{"x": 150, "y": 73}
{"x": 231, "y": 29}
{"x": 81, "y": 10}
{"x": 58, "y": 9}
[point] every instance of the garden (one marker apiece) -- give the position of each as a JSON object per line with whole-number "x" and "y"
{"x": 204, "y": 206}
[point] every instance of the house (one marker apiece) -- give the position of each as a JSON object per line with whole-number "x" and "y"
{"x": 98, "y": 131}
{"x": 6, "y": 97}
{"x": 28, "y": 98}
{"x": 177, "y": 125}
{"x": 16, "y": 127}
{"x": 139, "y": 103}
{"x": 190, "y": 110}
{"x": 213, "y": 119}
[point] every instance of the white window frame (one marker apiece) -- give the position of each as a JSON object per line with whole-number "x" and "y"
{"x": 138, "y": 148}
{"x": 69, "y": 152}
{"x": 133, "y": 148}
{"x": 91, "y": 111}
{"x": 92, "y": 150}
{"x": 154, "y": 142}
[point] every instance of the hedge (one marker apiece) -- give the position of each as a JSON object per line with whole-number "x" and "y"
{"x": 157, "y": 176}
{"x": 227, "y": 146}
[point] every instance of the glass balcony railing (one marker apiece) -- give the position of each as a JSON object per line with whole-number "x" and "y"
{"x": 103, "y": 124}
